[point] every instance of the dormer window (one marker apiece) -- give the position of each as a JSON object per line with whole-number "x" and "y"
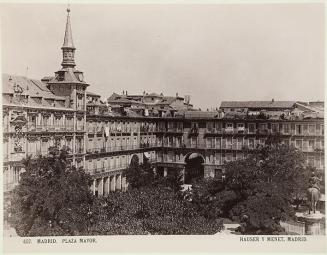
{"x": 80, "y": 76}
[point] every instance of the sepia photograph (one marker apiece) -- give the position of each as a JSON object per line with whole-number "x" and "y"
{"x": 181, "y": 120}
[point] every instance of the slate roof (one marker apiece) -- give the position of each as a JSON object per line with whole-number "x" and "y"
{"x": 257, "y": 104}
{"x": 31, "y": 87}
{"x": 89, "y": 93}
{"x": 200, "y": 114}
{"x": 153, "y": 95}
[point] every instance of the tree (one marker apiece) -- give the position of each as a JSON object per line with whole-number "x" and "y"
{"x": 266, "y": 183}
{"x": 52, "y": 197}
{"x": 151, "y": 210}
{"x": 258, "y": 190}
{"x": 139, "y": 175}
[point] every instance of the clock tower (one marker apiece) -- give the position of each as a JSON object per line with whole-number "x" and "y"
{"x": 68, "y": 49}
{"x": 69, "y": 86}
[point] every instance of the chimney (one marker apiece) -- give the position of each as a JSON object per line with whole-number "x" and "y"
{"x": 272, "y": 100}
{"x": 177, "y": 94}
{"x": 123, "y": 92}
{"x": 126, "y": 92}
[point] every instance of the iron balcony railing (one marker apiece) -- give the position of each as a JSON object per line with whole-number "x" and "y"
{"x": 160, "y": 129}
{"x": 107, "y": 168}
{"x": 45, "y": 128}
{"x": 112, "y": 148}
{"x": 175, "y": 130}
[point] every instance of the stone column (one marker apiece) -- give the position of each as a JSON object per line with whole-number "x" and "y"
{"x": 165, "y": 172}
{"x": 105, "y": 186}
{"x": 312, "y": 226}
{"x": 312, "y": 222}
{"x": 183, "y": 175}
{"x": 113, "y": 183}
{"x": 123, "y": 183}
{"x": 101, "y": 193}
{"x": 94, "y": 184}
{"x": 108, "y": 184}
{"x": 118, "y": 182}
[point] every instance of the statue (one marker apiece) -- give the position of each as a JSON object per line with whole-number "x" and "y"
{"x": 313, "y": 192}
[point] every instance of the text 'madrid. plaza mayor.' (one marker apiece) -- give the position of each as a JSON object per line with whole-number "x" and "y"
{"x": 103, "y": 137}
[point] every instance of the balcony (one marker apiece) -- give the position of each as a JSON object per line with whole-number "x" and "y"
{"x": 312, "y": 149}
{"x": 147, "y": 130}
{"x": 79, "y": 128}
{"x": 229, "y": 130}
{"x": 193, "y": 132}
{"x": 263, "y": 132}
{"x": 145, "y": 145}
{"x": 241, "y": 130}
{"x": 17, "y": 156}
{"x": 5, "y": 157}
{"x": 175, "y": 130}
{"x": 79, "y": 150}
{"x": 112, "y": 148}
{"x": 108, "y": 168}
{"x": 172, "y": 145}
{"x": 49, "y": 128}
{"x": 160, "y": 129}
{"x": 9, "y": 186}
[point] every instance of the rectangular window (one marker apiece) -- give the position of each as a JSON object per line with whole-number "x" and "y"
{"x": 305, "y": 129}
{"x": 193, "y": 142}
{"x": 298, "y": 144}
{"x": 219, "y": 174}
{"x": 311, "y": 145}
{"x": 239, "y": 156}
{"x": 194, "y": 125}
{"x": 229, "y": 157}
{"x": 251, "y": 127}
{"x": 218, "y": 125}
{"x": 218, "y": 158}
{"x": 312, "y": 129}
{"x": 286, "y": 128}
{"x": 239, "y": 143}
{"x": 298, "y": 129}
{"x": 322, "y": 129}
{"x": 223, "y": 143}
{"x": 218, "y": 142}
{"x": 274, "y": 127}
{"x": 263, "y": 126}
{"x": 229, "y": 143}
{"x": 311, "y": 161}
{"x": 251, "y": 143}
{"x": 210, "y": 125}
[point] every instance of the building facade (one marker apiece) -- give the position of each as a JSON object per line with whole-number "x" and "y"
{"x": 104, "y": 137}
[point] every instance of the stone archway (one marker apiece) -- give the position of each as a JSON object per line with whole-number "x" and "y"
{"x": 134, "y": 159}
{"x": 193, "y": 167}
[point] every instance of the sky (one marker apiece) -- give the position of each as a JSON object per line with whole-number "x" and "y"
{"x": 214, "y": 53}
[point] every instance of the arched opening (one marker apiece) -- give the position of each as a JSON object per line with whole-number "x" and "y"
{"x": 193, "y": 167}
{"x": 134, "y": 160}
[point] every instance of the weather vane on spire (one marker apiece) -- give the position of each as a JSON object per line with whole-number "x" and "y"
{"x": 68, "y": 9}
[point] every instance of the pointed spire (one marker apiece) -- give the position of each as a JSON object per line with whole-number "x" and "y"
{"x": 68, "y": 48}
{"x": 68, "y": 40}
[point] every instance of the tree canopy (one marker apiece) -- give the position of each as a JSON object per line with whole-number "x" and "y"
{"x": 52, "y": 197}
{"x": 258, "y": 190}
{"x": 151, "y": 210}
